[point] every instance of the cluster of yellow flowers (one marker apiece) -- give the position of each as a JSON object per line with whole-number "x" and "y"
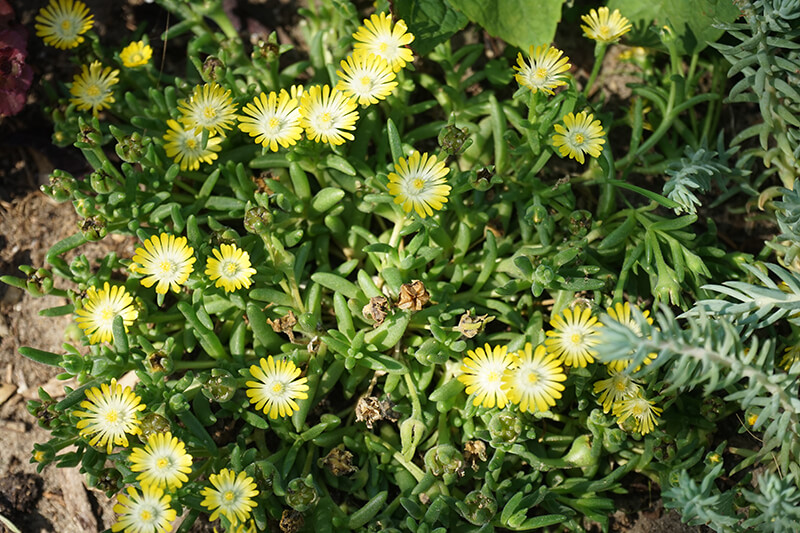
{"x": 532, "y": 378}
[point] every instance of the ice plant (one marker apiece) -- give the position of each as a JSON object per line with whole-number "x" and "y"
{"x": 418, "y": 183}
{"x": 622, "y": 313}
{"x": 136, "y": 54}
{"x": 379, "y": 37}
{"x": 96, "y": 317}
{"x": 277, "y": 387}
{"x": 604, "y": 27}
{"x": 273, "y": 120}
{"x": 616, "y": 388}
{"x": 91, "y": 88}
{"x": 534, "y": 382}
{"x": 574, "y": 336}
{"x": 231, "y": 497}
{"x": 166, "y": 260}
{"x": 327, "y": 115}
{"x": 641, "y": 410}
{"x": 209, "y": 107}
{"x": 62, "y": 23}
{"x": 148, "y": 512}
{"x": 109, "y": 413}
{"x": 544, "y": 70}
{"x": 163, "y": 462}
{"x": 580, "y": 134}
{"x": 366, "y": 77}
{"x": 185, "y": 146}
{"x": 230, "y": 267}
{"x": 482, "y": 373}
{"x": 790, "y": 356}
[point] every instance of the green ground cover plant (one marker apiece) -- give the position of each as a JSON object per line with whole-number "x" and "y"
{"x": 400, "y": 285}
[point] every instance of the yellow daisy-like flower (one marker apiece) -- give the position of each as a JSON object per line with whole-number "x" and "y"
{"x": 622, "y": 314}
{"x": 165, "y": 259}
{"x": 96, "y": 318}
{"x": 279, "y": 385}
{"x": 231, "y": 496}
{"x": 92, "y": 87}
{"x": 419, "y": 184}
{"x": 163, "y": 462}
{"x": 148, "y": 512}
{"x": 544, "y": 72}
{"x": 62, "y": 23}
{"x": 603, "y": 27}
{"x": 209, "y": 107}
{"x": 110, "y": 411}
{"x": 367, "y": 77}
{"x": 378, "y": 36}
{"x": 641, "y": 410}
{"x": 616, "y": 388}
{"x": 136, "y": 54}
{"x": 790, "y": 356}
{"x": 185, "y": 146}
{"x": 272, "y": 119}
{"x": 326, "y": 114}
{"x": 483, "y": 370}
{"x": 574, "y": 336}
{"x": 535, "y": 381}
{"x": 230, "y": 266}
{"x": 581, "y": 134}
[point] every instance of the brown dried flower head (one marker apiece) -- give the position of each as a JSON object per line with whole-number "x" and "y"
{"x": 413, "y": 296}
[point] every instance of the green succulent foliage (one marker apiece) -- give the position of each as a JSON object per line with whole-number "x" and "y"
{"x": 697, "y": 172}
{"x": 702, "y": 503}
{"x": 787, "y": 215}
{"x": 768, "y": 60}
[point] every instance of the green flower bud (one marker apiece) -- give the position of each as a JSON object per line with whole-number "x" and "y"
{"x": 80, "y": 267}
{"x": 153, "y": 423}
{"x": 257, "y": 220}
{"x": 213, "y": 69}
{"x": 444, "y": 459}
{"x": 301, "y": 494}
{"x": 220, "y": 387}
{"x": 39, "y": 282}
{"x": 580, "y": 453}
{"x": 580, "y": 222}
{"x": 505, "y": 427}
{"x": 101, "y": 182}
{"x": 543, "y": 274}
{"x": 93, "y": 228}
{"x": 61, "y": 186}
{"x": 90, "y": 133}
{"x": 160, "y": 361}
{"x": 130, "y": 148}
{"x": 178, "y": 403}
{"x": 478, "y": 508}
{"x": 454, "y": 140}
{"x": 483, "y": 179}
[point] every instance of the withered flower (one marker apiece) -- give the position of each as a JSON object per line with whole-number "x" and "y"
{"x": 413, "y": 296}
{"x": 376, "y": 309}
{"x": 284, "y": 325}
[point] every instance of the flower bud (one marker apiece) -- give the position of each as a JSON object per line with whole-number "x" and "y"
{"x": 483, "y": 179}
{"x": 93, "y": 228}
{"x": 505, "y": 427}
{"x": 178, "y": 403}
{"x": 453, "y": 139}
{"x": 301, "y": 494}
{"x": 257, "y": 220}
{"x": 213, "y": 69}
{"x": 61, "y": 186}
{"x": 580, "y": 221}
{"x": 130, "y": 148}
{"x": 580, "y": 453}
{"x": 543, "y": 274}
{"x": 160, "y": 361}
{"x": 221, "y": 386}
{"x": 153, "y": 423}
{"x": 444, "y": 459}
{"x": 478, "y": 508}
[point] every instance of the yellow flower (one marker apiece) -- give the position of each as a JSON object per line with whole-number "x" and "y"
{"x": 231, "y": 268}
{"x": 209, "y": 107}
{"x": 148, "y": 512}
{"x": 96, "y": 318}
{"x": 419, "y": 184}
{"x": 136, "y": 54}
{"x": 62, "y": 23}
{"x": 366, "y": 76}
{"x": 92, "y": 87}
{"x": 790, "y": 356}
{"x": 165, "y": 259}
{"x": 326, "y": 113}
{"x": 231, "y": 497}
{"x": 534, "y": 382}
{"x": 604, "y": 28}
{"x": 641, "y": 410}
{"x": 545, "y": 70}
{"x": 378, "y": 36}
{"x": 185, "y": 146}
{"x": 163, "y": 462}
{"x": 622, "y": 313}
{"x": 574, "y": 336}
{"x": 110, "y": 411}
{"x": 277, "y": 388}
{"x": 582, "y": 135}
{"x": 482, "y": 373}
{"x": 616, "y": 388}
{"x": 272, "y": 119}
